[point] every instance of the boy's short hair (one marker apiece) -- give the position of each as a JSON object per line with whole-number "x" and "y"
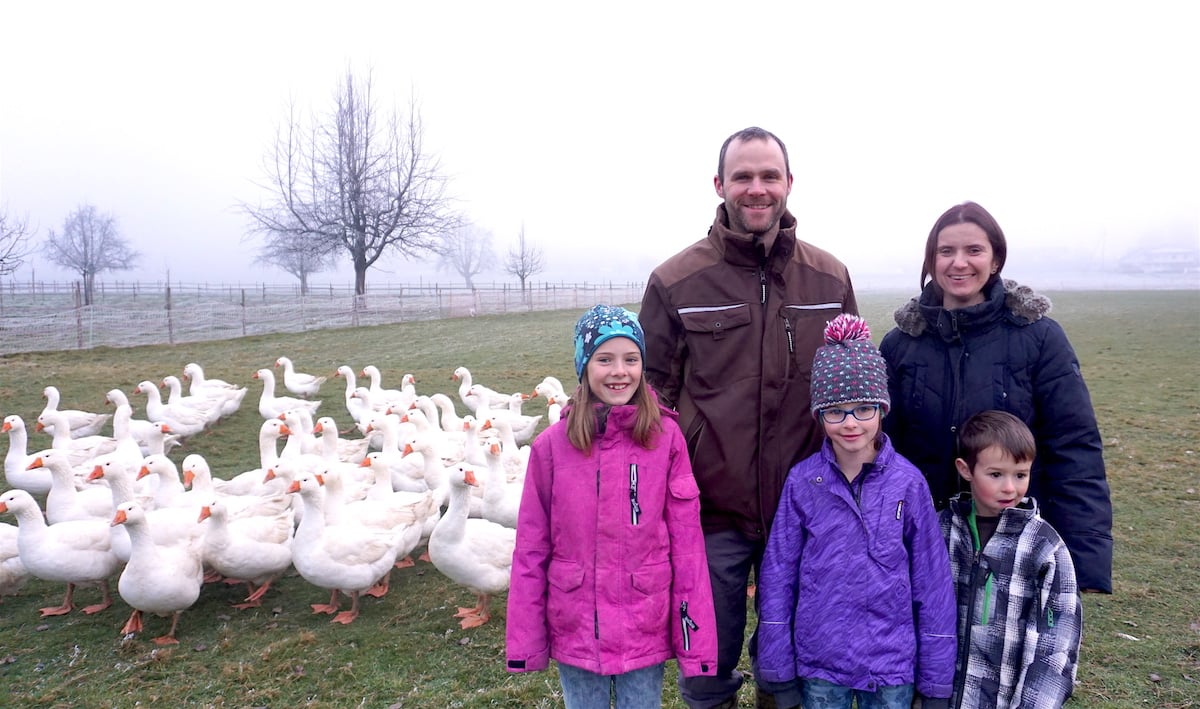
{"x": 995, "y": 428}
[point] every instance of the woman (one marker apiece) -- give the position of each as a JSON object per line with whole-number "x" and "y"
{"x": 972, "y": 341}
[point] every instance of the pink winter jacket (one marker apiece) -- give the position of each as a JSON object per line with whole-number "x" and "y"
{"x": 609, "y": 573}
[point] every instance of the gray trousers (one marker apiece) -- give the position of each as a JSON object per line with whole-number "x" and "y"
{"x": 731, "y": 558}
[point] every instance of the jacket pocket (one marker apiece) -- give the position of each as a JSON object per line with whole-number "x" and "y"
{"x": 716, "y": 337}
{"x": 803, "y": 327}
{"x": 565, "y": 604}
{"x": 684, "y": 487}
{"x": 650, "y": 614}
{"x": 887, "y": 539}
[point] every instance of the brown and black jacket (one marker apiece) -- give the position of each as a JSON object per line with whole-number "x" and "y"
{"x": 730, "y": 338}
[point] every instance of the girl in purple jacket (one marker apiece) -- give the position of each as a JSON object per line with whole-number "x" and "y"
{"x": 855, "y": 595}
{"x": 609, "y": 575}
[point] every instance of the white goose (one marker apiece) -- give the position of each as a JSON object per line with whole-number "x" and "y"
{"x": 474, "y": 553}
{"x": 449, "y": 447}
{"x": 204, "y": 402}
{"x": 197, "y": 475}
{"x": 299, "y": 383}
{"x": 523, "y": 426}
{"x": 515, "y": 456}
{"x": 449, "y": 418}
{"x": 344, "y": 558}
{"x": 17, "y": 460}
{"x": 159, "y": 579}
{"x": 80, "y": 423}
{"x": 406, "y": 470}
{"x": 400, "y": 399}
{"x": 405, "y": 513}
{"x": 149, "y": 435}
{"x": 334, "y": 447}
{"x": 551, "y": 388}
{"x": 270, "y": 406}
{"x": 64, "y": 502}
{"x": 481, "y": 396}
{"x": 13, "y": 574}
{"x": 169, "y": 490}
{"x": 75, "y": 553}
{"x": 501, "y": 498}
{"x": 413, "y": 514}
{"x": 79, "y": 451}
{"x": 247, "y": 549}
{"x": 168, "y": 526}
{"x": 200, "y": 385}
{"x": 359, "y": 408}
{"x": 183, "y": 421}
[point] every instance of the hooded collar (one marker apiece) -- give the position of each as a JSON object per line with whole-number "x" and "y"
{"x": 1006, "y": 299}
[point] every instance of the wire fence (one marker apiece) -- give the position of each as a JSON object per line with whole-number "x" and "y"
{"x": 50, "y": 316}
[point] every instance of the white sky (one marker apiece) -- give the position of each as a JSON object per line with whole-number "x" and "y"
{"x": 1075, "y": 123}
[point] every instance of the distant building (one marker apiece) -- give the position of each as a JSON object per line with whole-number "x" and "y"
{"x": 1161, "y": 260}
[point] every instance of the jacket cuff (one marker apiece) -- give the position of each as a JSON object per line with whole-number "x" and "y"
{"x": 535, "y": 663}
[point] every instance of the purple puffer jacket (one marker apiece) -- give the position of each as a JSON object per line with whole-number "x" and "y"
{"x": 858, "y": 594}
{"x": 602, "y": 583}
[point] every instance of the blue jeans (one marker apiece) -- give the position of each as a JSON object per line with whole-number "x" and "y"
{"x": 636, "y": 689}
{"x": 819, "y": 694}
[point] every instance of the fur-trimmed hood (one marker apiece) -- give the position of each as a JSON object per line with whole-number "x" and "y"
{"x": 1020, "y": 304}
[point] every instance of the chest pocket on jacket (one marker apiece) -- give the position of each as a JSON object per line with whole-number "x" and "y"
{"x": 803, "y": 328}
{"x": 887, "y": 539}
{"x": 718, "y": 339}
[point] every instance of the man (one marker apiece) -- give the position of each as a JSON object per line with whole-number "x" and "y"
{"x": 732, "y": 323}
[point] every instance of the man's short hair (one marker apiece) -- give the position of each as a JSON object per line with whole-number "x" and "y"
{"x": 995, "y": 428}
{"x": 751, "y": 133}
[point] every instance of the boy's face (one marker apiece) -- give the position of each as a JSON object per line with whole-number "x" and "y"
{"x": 997, "y": 482}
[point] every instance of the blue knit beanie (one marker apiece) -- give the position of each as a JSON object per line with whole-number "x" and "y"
{"x": 602, "y": 323}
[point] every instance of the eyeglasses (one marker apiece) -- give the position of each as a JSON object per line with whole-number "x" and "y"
{"x": 865, "y": 412}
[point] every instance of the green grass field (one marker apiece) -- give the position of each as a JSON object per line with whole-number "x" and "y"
{"x": 1141, "y": 645}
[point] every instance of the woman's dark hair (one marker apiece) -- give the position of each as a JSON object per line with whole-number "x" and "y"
{"x": 581, "y": 417}
{"x": 965, "y": 213}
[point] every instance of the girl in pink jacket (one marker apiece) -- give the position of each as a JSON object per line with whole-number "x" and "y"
{"x": 609, "y": 575}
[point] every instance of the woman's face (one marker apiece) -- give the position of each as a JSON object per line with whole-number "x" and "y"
{"x": 963, "y": 264}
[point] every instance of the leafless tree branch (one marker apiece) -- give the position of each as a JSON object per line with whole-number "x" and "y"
{"x": 357, "y": 179}
{"x": 89, "y": 244}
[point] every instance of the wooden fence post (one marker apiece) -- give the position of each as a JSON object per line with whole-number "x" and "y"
{"x": 170, "y": 319}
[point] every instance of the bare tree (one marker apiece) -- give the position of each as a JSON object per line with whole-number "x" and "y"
{"x": 14, "y": 242}
{"x": 468, "y": 251}
{"x": 358, "y": 179}
{"x": 301, "y": 255}
{"x": 524, "y": 259}
{"x": 89, "y": 244}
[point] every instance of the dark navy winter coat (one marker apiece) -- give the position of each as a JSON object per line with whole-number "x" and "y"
{"x": 945, "y": 365}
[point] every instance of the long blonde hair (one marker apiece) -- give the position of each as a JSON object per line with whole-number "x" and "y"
{"x": 581, "y": 417}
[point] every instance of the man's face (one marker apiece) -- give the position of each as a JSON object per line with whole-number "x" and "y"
{"x": 755, "y": 185}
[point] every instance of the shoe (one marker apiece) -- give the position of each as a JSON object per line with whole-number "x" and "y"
{"x": 730, "y": 703}
{"x": 763, "y": 700}
{"x": 766, "y": 700}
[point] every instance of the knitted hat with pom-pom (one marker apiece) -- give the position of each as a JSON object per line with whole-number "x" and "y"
{"x": 848, "y": 368}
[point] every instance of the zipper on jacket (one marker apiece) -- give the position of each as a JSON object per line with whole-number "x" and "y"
{"x": 595, "y": 553}
{"x": 791, "y": 339}
{"x": 687, "y": 624}
{"x": 634, "y": 509}
{"x": 762, "y": 285}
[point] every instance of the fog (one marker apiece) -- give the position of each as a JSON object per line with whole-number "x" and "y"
{"x": 596, "y": 127}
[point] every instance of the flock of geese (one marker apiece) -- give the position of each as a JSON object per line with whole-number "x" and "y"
{"x": 341, "y": 512}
